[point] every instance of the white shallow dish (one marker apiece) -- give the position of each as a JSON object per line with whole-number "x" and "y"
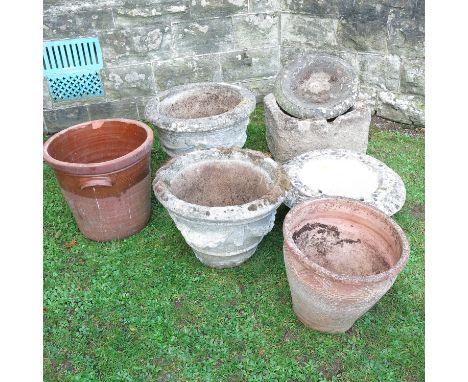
{"x": 345, "y": 173}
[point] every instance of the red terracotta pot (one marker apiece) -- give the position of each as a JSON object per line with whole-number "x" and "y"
{"x": 103, "y": 168}
{"x": 341, "y": 256}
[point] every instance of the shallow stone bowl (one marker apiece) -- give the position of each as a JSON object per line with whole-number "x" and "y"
{"x": 345, "y": 173}
{"x": 223, "y": 201}
{"x": 316, "y": 86}
{"x": 201, "y": 115}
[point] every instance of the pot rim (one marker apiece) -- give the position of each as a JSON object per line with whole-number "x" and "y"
{"x": 350, "y": 279}
{"x": 236, "y": 214}
{"x": 389, "y": 197}
{"x": 283, "y": 87}
{"x": 355, "y": 111}
{"x": 193, "y": 125}
{"x": 100, "y": 167}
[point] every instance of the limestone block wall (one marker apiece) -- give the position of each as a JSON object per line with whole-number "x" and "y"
{"x": 151, "y": 45}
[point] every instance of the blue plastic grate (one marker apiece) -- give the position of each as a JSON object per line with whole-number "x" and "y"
{"x": 72, "y": 67}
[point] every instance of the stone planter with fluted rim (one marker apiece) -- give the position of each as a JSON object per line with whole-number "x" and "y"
{"x": 200, "y": 116}
{"x": 223, "y": 201}
{"x": 341, "y": 256}
{"x": 288, "y": 136}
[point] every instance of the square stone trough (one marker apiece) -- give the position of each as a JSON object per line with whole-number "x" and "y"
{"x": 288, "y": 136}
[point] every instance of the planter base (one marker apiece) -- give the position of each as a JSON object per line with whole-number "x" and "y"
{"x": 227, "y": 245}
{"x": 288, "y": 136}
{"x": 316, "y": 326}
{"x": 323, "y": 314}
{"x": 216, "y": 261}
{"x": 93, "y": 215}
{"x": 177, "y": 143}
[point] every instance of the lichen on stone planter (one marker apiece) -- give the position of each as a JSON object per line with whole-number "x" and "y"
{"x": 288, "y": 136}
{"x": 223, "y": 201}
{"x": 103, "y": 168}
{"x": 341, "y": 256}
{"x": 325, "y": 173}
{"x": 201, "y": 115}
{"x": 316, "y": 86}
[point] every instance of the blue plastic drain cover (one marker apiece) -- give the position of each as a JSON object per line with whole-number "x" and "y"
{"x": 72, "y": 68}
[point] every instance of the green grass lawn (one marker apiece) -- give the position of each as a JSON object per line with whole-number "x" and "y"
{"x": 145, "y": 309}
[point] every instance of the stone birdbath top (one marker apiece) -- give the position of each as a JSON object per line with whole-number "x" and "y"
{"x": 316, "y": 86}
{"x": 344, "y": 173}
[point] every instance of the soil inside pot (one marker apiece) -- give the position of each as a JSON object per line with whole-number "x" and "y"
{"x": 201, "y": 104}
{"x": 220, "y": 183}
{"x": 96, "y": 142}
{"x": 344, "y": 247}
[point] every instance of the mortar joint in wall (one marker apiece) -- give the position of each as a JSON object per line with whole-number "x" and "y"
{"x": 266, "y": 13}
{"x": 140, "y": 115}
{"x": 374, "y": 54}
{"x": 113, "y": 18}
{"x": 279, "y": 29}
{"x": 220, "y": 67}
{"x": 154, "y": 79}
{"x": 87, "y": 111}
{"x": 109, "y": 67}
{"x": 206, "y": 54}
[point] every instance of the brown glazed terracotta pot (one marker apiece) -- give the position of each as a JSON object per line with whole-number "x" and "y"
{"x": 341, "y": 256}
{"x": 103, "y": 168}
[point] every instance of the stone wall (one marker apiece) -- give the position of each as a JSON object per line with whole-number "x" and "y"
{"x": 151, "y": 45}
{"x": 383, "y": 39}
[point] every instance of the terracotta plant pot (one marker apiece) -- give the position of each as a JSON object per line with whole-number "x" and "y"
{"x": 341, "y": 256}
{"x": 200, "y": 116}
{"x": 223, "y": 201}
{"x": 103, "y": 168}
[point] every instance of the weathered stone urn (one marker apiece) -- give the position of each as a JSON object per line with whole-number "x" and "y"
{"x": 341, "y": 256}
{"x": 325, "y": 173}
{"x": 289, "y": 136}
{"x": 201, "y": 115}
{"x": 316, "y": 86}
{"x": 223, "y": 201}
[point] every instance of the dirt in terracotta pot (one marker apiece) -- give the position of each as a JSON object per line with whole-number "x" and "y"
{"x": 220, "y": 183}
{"x": 343, "y": 249}
{"x": 202, "y": 104}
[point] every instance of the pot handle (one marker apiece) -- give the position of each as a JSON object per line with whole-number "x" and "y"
{"x": 102, "y": 181}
